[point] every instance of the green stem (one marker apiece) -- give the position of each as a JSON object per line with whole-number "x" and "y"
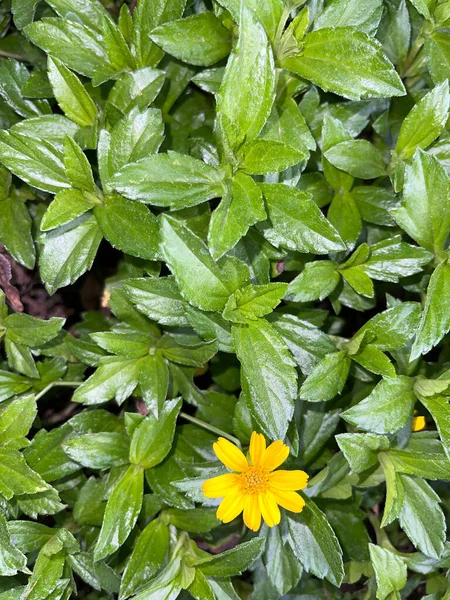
{"x": 211, "y": 428}
{"x": 54, "y": 384}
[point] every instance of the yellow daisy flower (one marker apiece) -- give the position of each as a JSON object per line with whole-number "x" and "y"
{"x": 255, "y": 488}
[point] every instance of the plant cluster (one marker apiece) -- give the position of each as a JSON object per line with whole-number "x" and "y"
{"x": 262, "y": 189}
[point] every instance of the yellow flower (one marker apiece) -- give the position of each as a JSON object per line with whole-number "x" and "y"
{"x": 255, "y": 488}
{"x": 418, "y": 423}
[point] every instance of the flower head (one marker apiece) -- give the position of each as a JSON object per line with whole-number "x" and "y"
{"x": 255, "y": 487}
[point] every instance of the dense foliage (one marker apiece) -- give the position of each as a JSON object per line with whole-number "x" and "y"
{"x": 242, "y": 211}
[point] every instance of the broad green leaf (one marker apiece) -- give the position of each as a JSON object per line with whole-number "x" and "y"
{"x": 395, "y": 494}
{"x": 364, "y": 15}
{"x": 122, "y": 511}
{"x": 327, "y": 379}
{"x": 115, "y": 378}
{"x": 99, "y": 450}
{"x": 16, "y": 477}
{"x": 394, "y": 31}
{"x": 296, "y": 222}
{"x": 13, "y": 76}
{"x": 46, "y": 456}
{"x": 424, "y": 123}
{"x": 424, "y": 214}
{"x": 47, "y": 571}
{"x": 314, "y": 544}
{"x": 253, "y": 301}
{"x": 360, "y": 449}
{"x": 390, "y": 571}
{"x": 11, "y": 558}
{"x": 15, "y": 231}
{"x": 234, "y": 561}
{"x": 12, "y": 384}
{"x": 359, "y": 158}
{"x": 66, "y": 206}
{"x": 38, "y": 162}
{"x": 261, "y": 156}
{"x": 246, "y": 95}
{"x": 28, "y": 330}
{"x": 269, "y": 371}
{"x": 78, "y": 169}
{"x": 128, "y": 343}
{"x": 129, "y": 226}
{"x": 147, "y": 557}
{"x": 387, "y": 409}
{"x": 193, "y": 355}
{"x": 439, "y": 409}
{"x": 20, "y": 359}
{"x": 317, "y": 280}
{"x": 200, "y": 39}
{"x": 241, "y": 207}
{"x": 421, "y": 517}
{"x": 70, "y": 94}
{"x": 148, "y": 15}
{"x": 428, "y": 461}
{"x": 391, "y": 259}
{"x": 344, "y": 215}
{"x": 203, "y": 282}
{"x": 152, "y": 440}
{"x": 283, "y": 569}
{"x": 287, "y": 125}
{"x": 16, "y": 420}
{"x": 330, "y": 58}
{"x": 171, "y": 179}
{"x": 196, "y": 520}
{"x": 69, "y": 251}
{"x": 74, "y": 44}
{"x": 157, "y": 298}
{"x": 392, "y": 328}
{"x": 435, "y": 321}
{"x": 438, "y": 53}
{"x": 374, "y": 204}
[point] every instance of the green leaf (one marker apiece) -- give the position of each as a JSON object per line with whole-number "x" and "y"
{"x": 343, "y": 214}
{"x": 260, "y": 157}
{"x": 359, "y": 158}
{"x": 234, "y": 561}
{"x": 200, "y": 39}
{"x": 296, "y": 222}
{"x": 122, "y": 511}
{"x": 171, "y": 179}
{"x": 269, "y": 371}
{"x": 74, "y": 44}
{"x": 28, "y": 330}
{"x": 12, "y": 384}
{"x": 21, "y": 359}
{"x": 387, "y": 409}
{"x": 317, "y": 280}
{"x": 424, "y": 460}
{"x": 287, "y": 125}
{"x": 395, "y": 494}
{"x": 71, "y": 94}
{"x": 424, "y": 214}
{"x": 115, "y": 378}
{"x": 374, "y": 204}
{"x": 246, "y": 95}
{"x": 364, "y": 15}
{"x": 394, "y": 31}
{"x": 390, "y": 571}
{"x": 16, "y": 477}
{"x": 424, "y": 123}
{"x": 330, "y": 58}
{"x": 152, "y": 440}
{"x": 38, "y": 162}
{"x": 66, "y": 206}
{"x": 99, "y": 450}
{"x": 13, "y": 76}
{"x": 253, "y": 301}
{"x": 157, "y": 298}
{"x": 439, "y": 409}
{"x": 327, "y": 379}
{"x": 241, "y": 207}
{"x": 392, "y": 328}
{"x": 148, "y": 15}
{"x": 147, "y": 557}
{"x": 314, "y": 544}
{"x": 46, "y": 456}
{"x": 203, "y": 282}
{"x": 69, "y": 251}
{"x": 360, "y": 449}
{"x": 11, "y": 559}
{"x": 438, "y": 53}
{"x": 16, "y": 420}
{"x": 78, "y": 168}
{"x": 282, "y": 567}
{"x": 435, "y": 321}
{"x": 391, "y": 259}
{"x": 129, "y": 226}
{"x": 15, "y": 231}
{"x": 48, "y": 570}
{"x": 421, "y": 517}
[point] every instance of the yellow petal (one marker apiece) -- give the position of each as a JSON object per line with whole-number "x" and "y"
{"x": 288, "y": 480}
{"x": 289, "y": 500}
{"x": 275, "y": 454}
{"x": 230, "y": 507}
{"x": 220, "y": 486}
{"x": 230, "y": 455}
{"x": 257, "y": 448}
{"x": 418, "y": 423}
{"x": 252, "y": 512}
{"x": 269, "y": 509}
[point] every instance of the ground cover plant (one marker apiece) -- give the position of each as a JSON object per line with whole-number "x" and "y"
{"x": 225, "y": 361}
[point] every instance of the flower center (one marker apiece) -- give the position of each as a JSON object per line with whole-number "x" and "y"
{"x": 254, "y": 480}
